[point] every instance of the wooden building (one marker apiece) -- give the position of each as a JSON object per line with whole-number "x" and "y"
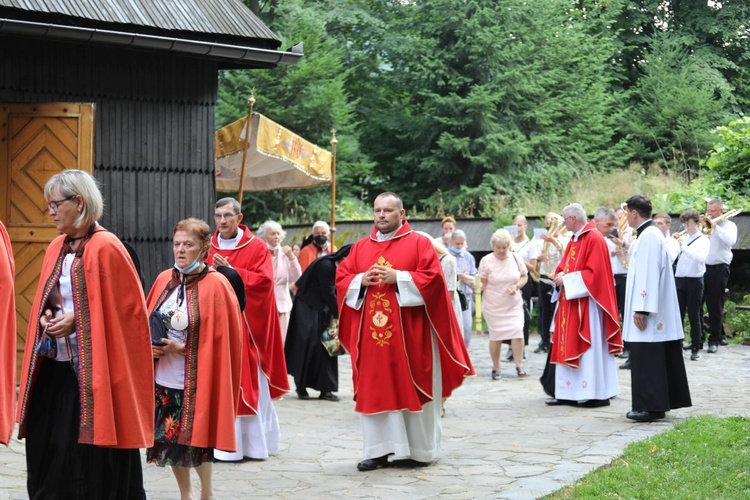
{"x": 125, "y": 89}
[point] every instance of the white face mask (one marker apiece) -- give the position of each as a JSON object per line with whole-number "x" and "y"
{"x": 272, "y": 248}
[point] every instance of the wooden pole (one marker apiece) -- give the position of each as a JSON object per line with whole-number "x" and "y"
{"x": 246, "y": 145}
{"x": 334, "y": 141}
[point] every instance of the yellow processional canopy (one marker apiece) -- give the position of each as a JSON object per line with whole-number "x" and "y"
{"x": 276, "y": 158}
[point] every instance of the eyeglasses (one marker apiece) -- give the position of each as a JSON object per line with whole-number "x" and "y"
{"x": 54, "y": 205}
{"x": 569, "y": 217}
{"x": 224, "y": 216}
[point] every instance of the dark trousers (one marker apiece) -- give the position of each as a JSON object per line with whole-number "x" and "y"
{"x": 620, "y": 284}
{"x": 716, "y": 279}
{"x": 544, "y": 320}
{"x": 526, "y": 296}
{"x": 690, "y": 298}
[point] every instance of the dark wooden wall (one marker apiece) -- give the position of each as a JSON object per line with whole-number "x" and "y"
{"x": 154, "y": 132}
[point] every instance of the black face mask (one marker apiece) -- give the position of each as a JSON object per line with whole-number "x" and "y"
{"x": 320, "y": 241}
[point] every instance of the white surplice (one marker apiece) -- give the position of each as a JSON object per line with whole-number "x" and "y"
{"x": 651, "y": 288}
{"x": 596, "y": 375}
{"x": 257, "y": 435}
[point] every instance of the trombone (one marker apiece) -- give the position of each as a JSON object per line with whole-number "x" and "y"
{"x": 707, "y": 224}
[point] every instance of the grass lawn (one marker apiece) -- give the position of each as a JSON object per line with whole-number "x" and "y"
{"x": 701, "y": 458}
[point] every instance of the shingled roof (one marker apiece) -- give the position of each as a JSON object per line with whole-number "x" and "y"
{"x": 220, "y": 29}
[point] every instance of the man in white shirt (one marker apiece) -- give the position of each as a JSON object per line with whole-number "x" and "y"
{"x": 717, "y": 273}
{"x": 651, "y": 321}
{"x": 690, "y": 267}
{"x": 663, "y": 222}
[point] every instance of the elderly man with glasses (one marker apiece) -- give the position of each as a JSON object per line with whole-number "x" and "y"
{"x": 263, "y": 364}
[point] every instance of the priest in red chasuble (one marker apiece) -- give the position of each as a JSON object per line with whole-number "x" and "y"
{"x": 587, "y": 332}
{"x": 263, "y": 376}
{"x": 407, "y": 351}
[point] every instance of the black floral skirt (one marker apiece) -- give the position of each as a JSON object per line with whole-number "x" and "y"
{"x": 166, "y": 450}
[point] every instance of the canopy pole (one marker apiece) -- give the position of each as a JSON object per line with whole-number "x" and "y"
{"x": 334, "y": 141}
{"x": 246, "y": 144}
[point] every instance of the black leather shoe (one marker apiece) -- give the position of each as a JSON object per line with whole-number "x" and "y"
{"x": 594, "y": 403}
{"x": 303, "y": 394}
{"x": 687, "y": 347}
{"x": 624, "y": 355}
{"x": 560, "y": 402}
{"x": 723, "y": 342}
{"x": 329, "y": 396}
{"x": 645, "y": 416}
{"x": 408, "y": 462}
{"x": 373, "y": 463}
{"x": 541, "y": 348}
{"x": 713, "y": 349}
{"x": 625, "y": 365}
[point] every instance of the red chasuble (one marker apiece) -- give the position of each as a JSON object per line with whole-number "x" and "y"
{"x": 7, "y": 337}
{"x": 115, "y": 366}
{"x": 391, "y": 346}
{"x": 212, "y": 359}
{"x": 572, "y": 336}
{"x": 263, "y": 345}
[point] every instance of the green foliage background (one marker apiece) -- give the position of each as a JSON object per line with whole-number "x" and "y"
{"x": 479, "y": 107}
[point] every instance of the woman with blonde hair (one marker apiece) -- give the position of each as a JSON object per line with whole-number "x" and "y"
{"x": 86, "y": 395}
{"x": 503, "y": 275}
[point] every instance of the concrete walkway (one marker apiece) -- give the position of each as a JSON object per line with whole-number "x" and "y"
{"x": 499, "y": 439}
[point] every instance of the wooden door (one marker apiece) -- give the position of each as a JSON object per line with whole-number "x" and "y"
{"x": 36, "y": 142}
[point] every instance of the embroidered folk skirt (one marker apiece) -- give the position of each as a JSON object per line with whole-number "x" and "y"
{"x": 166, "y": 450}
{"x": 58, "y": 466}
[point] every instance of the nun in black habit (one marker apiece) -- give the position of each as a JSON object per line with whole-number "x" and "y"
{"x": 314, "y": 307}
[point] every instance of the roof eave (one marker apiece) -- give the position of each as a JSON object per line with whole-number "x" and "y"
{"x": 236, "y": 54}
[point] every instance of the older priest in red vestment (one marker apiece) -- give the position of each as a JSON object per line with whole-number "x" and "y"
{"x": 587, "y": 329}
{"x": 407, "y": 351}
{"x": 263, "y": 365}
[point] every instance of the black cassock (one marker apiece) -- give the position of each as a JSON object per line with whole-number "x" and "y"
{"x": 314, "y": 307}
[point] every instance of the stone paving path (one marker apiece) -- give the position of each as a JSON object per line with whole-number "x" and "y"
{"x": 499, "y": 439}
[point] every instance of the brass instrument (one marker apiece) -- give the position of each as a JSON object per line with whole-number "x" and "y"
{"x": 707, "y": 224}
{"x": 555, "y": 224}
{"x": 623, "y": 228}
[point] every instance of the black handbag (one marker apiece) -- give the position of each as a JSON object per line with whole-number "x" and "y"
{"x": 462, "y": 300}
{"x": 157, "y": 328}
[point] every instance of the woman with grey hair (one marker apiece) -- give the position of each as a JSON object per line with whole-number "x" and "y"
{"x": 503, "y": 275}
{"x": 86, "y": 395}
{"x": 286, "y": 269}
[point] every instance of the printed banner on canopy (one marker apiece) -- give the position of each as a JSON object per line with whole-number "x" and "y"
{"x": 277, "y": 158}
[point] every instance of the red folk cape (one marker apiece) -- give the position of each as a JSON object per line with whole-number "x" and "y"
{"x": 7, "y": 337}
{"x": 252, "y": 260}
{"x": 572, "y": 336}
{"x": 115, "y": 367}
{"x": 212, "y": 359}
{"x": 390, "y": 346}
